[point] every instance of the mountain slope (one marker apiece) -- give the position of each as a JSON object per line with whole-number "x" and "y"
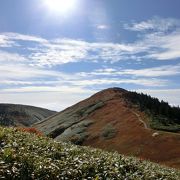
{"x": 22, "y": 115}
{"x": 108, "y": 121}
{"x": 163, "y": 116}
{"x": 27, "y": 156}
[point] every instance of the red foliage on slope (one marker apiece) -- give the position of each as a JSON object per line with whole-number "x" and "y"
{"x": 30, "y": 130}
{"x": 132, "y": 138}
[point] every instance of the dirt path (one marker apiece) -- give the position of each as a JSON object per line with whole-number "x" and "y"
{"x": 139, "y": 118}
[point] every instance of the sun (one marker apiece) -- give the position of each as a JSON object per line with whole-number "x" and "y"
{"x": 60, "y": 6}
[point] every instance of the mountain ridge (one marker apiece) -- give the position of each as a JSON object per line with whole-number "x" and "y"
{"x": 108, "y": 121}
{"x": 22, "y": 115}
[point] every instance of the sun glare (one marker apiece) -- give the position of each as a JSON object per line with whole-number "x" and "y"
{"x": 60, "y": 6}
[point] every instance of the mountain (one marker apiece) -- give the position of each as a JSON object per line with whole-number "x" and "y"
{"x": 26, "y": 156}
{"x": 22, "y": 115}
{"x": 114, "y": 120}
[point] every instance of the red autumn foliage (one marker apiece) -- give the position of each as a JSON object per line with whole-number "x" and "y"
{"x": 30, "y": 130}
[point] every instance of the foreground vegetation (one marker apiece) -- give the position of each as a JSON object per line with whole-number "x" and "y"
{"x": 24, "y": 155}
{"x": 162, "y": 115}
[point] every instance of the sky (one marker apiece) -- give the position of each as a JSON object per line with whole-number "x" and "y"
{"x": 54, "y": 53}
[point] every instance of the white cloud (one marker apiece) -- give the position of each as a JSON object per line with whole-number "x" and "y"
{"x": 12, "y": 57}
{"x": 23, "y": 75}
{"x": 161, "y": 38}
{"x": 5, "y": 42}
{"x": 102, "y": 26}
{"x": 33, "y": 89}
{"x": 152, "y": 45}
{"x": 20, "y": 72}
{"x": 166, "y": 70}
{"x": 22, "y": 37}
{"x": 163, "y": 47}
{"x": 155, "y": 24}
{"x": 52, "y": 57}
{"x": 152, "y": 82}
{"x": 61, "y": 51}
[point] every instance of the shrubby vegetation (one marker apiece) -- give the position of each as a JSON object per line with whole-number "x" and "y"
{"x": 163, "y": 115}
{"x": 108, "y": 131}
{"x": 26, "y": 156}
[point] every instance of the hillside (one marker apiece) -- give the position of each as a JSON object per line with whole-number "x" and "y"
{"x": 22, "y": 115}
{"x": 28, "y": 156}
{"x": 107, "y": 120}
{"x": 162, "y": 115}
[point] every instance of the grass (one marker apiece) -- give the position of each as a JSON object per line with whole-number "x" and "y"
{"x": 108, "y": 131}
{"x": 27, "y": 156}
{"x": 155, "y": 122}
{"x": 169, "y": 128}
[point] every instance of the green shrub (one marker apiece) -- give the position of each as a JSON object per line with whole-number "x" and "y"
{"x": 2, "y": 135}
{"x": 26, "y": 156}
{"x": 8, "y": 155}
{"x": 108, "y": 131}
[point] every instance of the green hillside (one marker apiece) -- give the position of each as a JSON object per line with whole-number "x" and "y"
{"x": 29, "y": 156}
{"x": 162, "y": 115}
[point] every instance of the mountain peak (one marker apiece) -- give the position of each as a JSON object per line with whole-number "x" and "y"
{"x": 112, "y": 90}
{"x": 108, "y": 94}
{"x": 109, "y": 120}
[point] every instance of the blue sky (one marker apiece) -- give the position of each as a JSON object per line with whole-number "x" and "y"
{"x": 55, "y": 58}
